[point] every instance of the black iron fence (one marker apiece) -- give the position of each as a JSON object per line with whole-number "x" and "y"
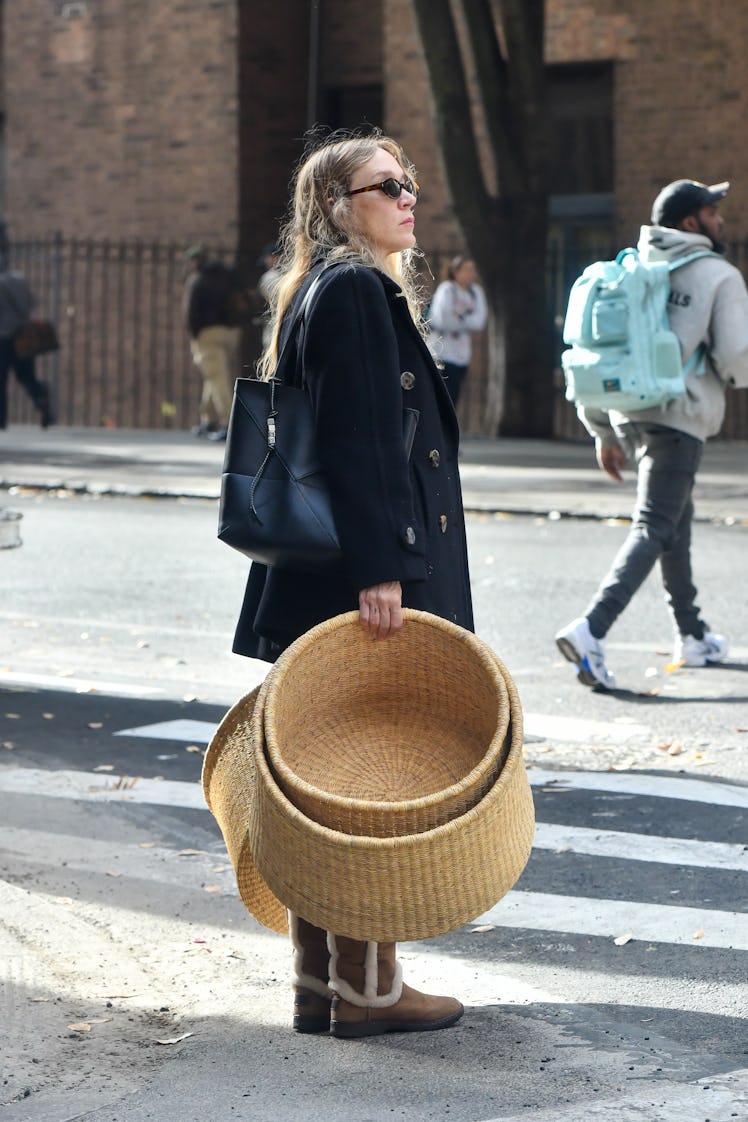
{"x": 124, "y": 358}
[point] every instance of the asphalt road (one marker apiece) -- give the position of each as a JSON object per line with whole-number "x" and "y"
{"x": 120, "y": 912}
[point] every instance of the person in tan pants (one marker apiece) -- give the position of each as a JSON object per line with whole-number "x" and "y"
{"x": 215, "y": 351}
{"x": 213, "y": 304}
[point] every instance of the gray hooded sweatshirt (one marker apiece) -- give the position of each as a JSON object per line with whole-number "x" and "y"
{"x": 708, "y": 304}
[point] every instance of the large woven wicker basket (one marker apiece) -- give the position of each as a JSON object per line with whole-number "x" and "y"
{"x": 386, "y": 738}
{"x": 366, "y": 886}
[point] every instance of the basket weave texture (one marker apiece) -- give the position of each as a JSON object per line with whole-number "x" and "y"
{"x": 386, "y": 739}
{"x": 412, "y": 812}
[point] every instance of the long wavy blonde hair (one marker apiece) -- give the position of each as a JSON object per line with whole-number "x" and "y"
{"x": 321, "y": 227}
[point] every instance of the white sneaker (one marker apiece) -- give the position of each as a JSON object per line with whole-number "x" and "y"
{"x": 577, "y": 644}
{"x": 690, "y": 651}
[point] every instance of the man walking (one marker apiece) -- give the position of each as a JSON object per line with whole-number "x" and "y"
{"x": 16, "y": 302}
{"x": 213, "y": 310}
{"x": 707, "y": 309}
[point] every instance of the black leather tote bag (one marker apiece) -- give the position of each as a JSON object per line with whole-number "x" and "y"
{"x": 275, "y": 507}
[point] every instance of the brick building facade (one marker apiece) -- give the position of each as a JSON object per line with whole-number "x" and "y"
{"x": 125, "y": 120}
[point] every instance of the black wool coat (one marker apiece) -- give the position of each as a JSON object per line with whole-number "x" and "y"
{"x": 363, "y": 362}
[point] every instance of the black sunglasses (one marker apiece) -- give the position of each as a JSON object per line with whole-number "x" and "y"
{"x": 393, "y": 188}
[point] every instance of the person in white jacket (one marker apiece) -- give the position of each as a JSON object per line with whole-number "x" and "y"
{"x": 458, "y": 308}
{"x": 708, "y": 304}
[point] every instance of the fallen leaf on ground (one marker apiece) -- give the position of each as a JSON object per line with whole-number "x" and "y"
{"x": 126, "y": 782}
{"x": 8, "y": 744}
{"x": 698, "y": 934}
{"x": 48, "y": 716}
{"x": 95, "y": 724}
{"x": 675, "y": 749}
{"x": 622, "y": 940}
{"x": 212, "y": 888}
{"x": 483, "y": 927}
{"x": 175, "y": 1039}
{"x": 104, "y": 767}
{"x": 146, "y": 845}
{"x": 80, "y": 1026}
{"x": 189, "y": 852}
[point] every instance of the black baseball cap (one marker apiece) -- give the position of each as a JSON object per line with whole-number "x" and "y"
{"x": 683, "y": 197}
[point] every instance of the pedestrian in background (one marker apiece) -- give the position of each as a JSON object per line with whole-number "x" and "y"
{"x": 399, "y": 516}
{"x": 16, "y": 303}
{"x": 708, "y": 306}
{"x": 214, "y": 305}
{"x": 458, "y": 310}
{"x": 268, "y": 262}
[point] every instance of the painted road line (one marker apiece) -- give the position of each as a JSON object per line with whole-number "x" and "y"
{"x": 640, "y": 847}
{"x": 649, "y": 923}
{"x": 98, "y": 856}
{"x": 89, "y": 787}
{"x": 640, "y": 783}
{"x": 78, "y": 685}
{"x": 199, "y": 732}
{"x": 93, "y": 787}
{"x": 540, "y": 726}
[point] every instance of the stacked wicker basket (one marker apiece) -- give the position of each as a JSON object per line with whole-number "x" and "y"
{"x": 375, "y": 788}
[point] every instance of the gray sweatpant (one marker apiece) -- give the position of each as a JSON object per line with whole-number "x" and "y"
{"x": 667, "y": 462}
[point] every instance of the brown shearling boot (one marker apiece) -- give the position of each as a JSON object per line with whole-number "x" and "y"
{"x": 371, "y": 998}
{"x": 312, "y": 994}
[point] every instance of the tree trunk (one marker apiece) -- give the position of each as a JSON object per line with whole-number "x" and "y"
{"x": 506, "y": 233}
{"x": 527, "y": 338}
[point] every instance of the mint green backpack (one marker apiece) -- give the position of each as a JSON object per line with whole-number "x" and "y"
{"x": 622, "y": 353}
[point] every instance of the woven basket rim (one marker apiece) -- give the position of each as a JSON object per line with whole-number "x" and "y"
{"x": 488, "y": 659}
{"x": 230, "y": 721}
{"x": 513, "y": 760}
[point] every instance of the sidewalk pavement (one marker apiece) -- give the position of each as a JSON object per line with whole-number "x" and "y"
{"x": 513, "y": 476}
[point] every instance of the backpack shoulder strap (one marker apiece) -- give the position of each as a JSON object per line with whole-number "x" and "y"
{"x": 679, "y": 261}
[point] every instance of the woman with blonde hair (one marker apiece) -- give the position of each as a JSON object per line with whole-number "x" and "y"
{"x": 398, "y": 510}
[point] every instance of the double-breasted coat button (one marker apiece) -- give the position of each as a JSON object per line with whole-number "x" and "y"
{"x": 443, "y": 523}
{"x": 407, "y": 380}
{"x": 410, "y": 535}
{"x": 434, "y": 457}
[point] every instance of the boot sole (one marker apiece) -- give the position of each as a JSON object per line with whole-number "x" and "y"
{"x": 354, "y": 1030}
{"x": 309, "y": 1025}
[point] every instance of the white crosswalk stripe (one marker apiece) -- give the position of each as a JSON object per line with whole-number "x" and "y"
{"x": 546, "y": 911}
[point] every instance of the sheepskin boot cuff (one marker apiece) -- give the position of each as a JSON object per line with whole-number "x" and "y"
{"x": 364, "y": 974}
